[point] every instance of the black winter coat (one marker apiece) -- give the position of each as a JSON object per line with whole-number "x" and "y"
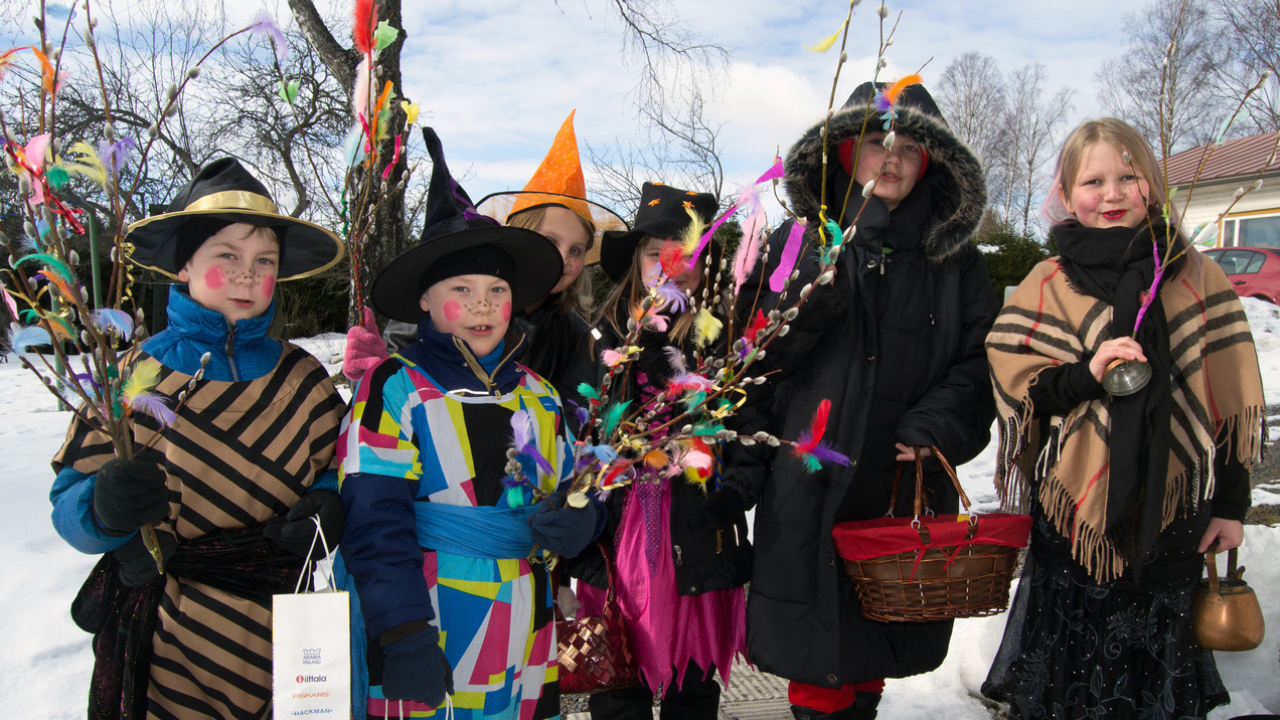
{"x": 896, "y": 344}
{"x": 703, "y": 562}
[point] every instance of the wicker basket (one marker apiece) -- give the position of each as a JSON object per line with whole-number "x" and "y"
{"x": 937, "y": 568}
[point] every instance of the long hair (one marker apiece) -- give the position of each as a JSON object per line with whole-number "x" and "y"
{"x": 578, "y": 295}
{"x": 623, "y": 302}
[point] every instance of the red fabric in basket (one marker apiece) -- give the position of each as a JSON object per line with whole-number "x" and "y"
{"x": 869, "y": 539}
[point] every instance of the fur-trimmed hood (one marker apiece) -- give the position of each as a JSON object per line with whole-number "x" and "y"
{"x": 958, "y": 194}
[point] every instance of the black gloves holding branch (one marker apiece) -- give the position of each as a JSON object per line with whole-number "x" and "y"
{"x": 137, "y": 567}
{"x": 296, "y": 530}
{"x": 414, "y": 666}
{"x": 128, "y": 494}
{"x": 723, "y": 508}
{"x": 561, "y": 528}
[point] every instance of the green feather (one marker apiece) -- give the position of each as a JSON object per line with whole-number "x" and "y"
{"x": 614, "y": 416}
{"x": 707, "y": 429}
{"x": 587, "y": 391}
{"x": 53, "y": 263}
{"x": 57, "y": 177}
{"x": 812, "y": 464}
{"x": 694, "y": 400}
{"x": 30, "y": 316}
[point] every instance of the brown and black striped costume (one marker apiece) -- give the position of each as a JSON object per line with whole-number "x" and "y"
{"x": 239, "y": 454}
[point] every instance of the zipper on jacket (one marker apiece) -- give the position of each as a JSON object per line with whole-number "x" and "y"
{"x": 679, "y": 559}
{"x": 231, "y": 352}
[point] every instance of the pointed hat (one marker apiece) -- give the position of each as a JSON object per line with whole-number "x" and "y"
{"x": 557, "y": 181}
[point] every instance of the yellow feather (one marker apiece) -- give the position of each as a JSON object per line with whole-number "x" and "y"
{"x": 707, "y": 327}
{"x": 692, "y": 475}
{"x": 693, "y": 233}
{"x": 145, "y": 376}
{"x": 825, "y": 45}
{"x": 88, "y": 165}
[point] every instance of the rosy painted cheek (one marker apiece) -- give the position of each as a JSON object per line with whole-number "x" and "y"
{"x": 214, "y": 278}
{"x": 452, "y": 311}
{"x": 268, "y": 285}
{"x": 505, "y": 310}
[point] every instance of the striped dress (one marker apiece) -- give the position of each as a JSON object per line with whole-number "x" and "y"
{"x": 494, "y": 615}
{"x": 239, "y": 454}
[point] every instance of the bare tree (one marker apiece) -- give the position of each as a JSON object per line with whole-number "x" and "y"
{"x": 971, "y": 94}
{"x": 1131, "y": 83}
{"x": 1250, "y": 29}
{"x": 1030, "y": 136}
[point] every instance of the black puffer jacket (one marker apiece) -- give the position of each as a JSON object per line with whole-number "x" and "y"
{"x": 896, "y": 344}
{"x": 703, "y": 562}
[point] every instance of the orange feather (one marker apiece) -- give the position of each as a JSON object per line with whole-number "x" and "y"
{"x": 896, "y": 89}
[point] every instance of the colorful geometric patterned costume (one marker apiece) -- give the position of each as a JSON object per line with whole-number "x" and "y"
{"x": 411, "y": 452}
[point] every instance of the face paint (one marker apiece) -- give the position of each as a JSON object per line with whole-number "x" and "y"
{"x": 214, "y": 277}
{"x": 268, "y": 285}
{"x": 452, "y": 311}
{"x": 506, "y": 311}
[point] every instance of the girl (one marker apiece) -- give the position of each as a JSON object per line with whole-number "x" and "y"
{"x": 682, "y": 556}
{"x": 1127, "y": 493}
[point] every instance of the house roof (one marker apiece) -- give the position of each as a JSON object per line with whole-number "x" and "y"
{"x": 1234, "y": 158}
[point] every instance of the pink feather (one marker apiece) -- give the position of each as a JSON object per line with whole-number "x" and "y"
{"x": 790, "y": 253}
{"x": 752, "y": 237}
{"x": 360, "y": 94}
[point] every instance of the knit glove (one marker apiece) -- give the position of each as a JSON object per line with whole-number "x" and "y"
{"x": 365, "y": 348}
{"x": 414, "y": 668}
{"x": 565, "y": 530}
{"x": 137, "y": 567}
{"x": 128, "y": 494}
{"x": 296, "y": 530}
{"x": 723, "y": 508}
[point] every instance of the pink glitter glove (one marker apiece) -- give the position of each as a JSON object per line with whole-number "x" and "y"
{"x": 365, "y": 348}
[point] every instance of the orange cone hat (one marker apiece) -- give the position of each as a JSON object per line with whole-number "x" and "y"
{"x": 561, "y": 174}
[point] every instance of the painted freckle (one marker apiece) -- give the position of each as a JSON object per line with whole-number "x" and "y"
{"x": 452, "y": 310}
{"x": 214, "y": 278}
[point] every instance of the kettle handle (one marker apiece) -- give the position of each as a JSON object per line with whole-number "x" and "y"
{"x": 1211, "y": 562}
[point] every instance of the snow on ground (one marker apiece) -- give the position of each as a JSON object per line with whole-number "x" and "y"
{"x": 46, "y": 662}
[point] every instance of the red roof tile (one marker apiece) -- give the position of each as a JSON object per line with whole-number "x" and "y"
{"x": 1234, "y": 158}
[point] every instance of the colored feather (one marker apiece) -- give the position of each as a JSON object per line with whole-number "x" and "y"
{"x": 613, "y": 416}
{"x": 894, "y": 92}
{"x": 7, "y": 58}
{"x": 834, "y": 231}
{"x": 790, "y": 253}
{"x": 656, "y": 459}
{"x": 672, "y": 260}
{"x": 580, "y": 413}
{"x": 692, "y": 237}
{"x": 51, "y": 263}
{"x": 694, "y": 400}
{"x": 707, "y": 327}
{"x": 675, "y": 358}
{"x": 264, "y": 24}
{"x": 810, "y": 449}
{"x": 612, "y": 358}
{"x": 22, "y": 339}
{"x": 51, "y": 81}
{"x": 673, "y": 299}
{"x": 521, "y": 428}
{"x": 9, "y": 303}
{"x": 360, "y": 93}
{"x": 155, "y": 406}
{"x": 87, "y": 164}
{"x": 706, "y": 429}
{"x": 384, "y": 36}
{"x": 378, "y": 131}
{"x": 826, "y": 43}
{"x": 706, "y": 236}
{"x": 773, "y": 173}
{"x": 758, "y": 323}
{"x": 37, "y": 150}
{"x": 744, "y": 261}
{"x": 145, "y": 375}
{"x": 586, "y": 390}
{"x": 366, "y": 18}
{"x": 603, "y": 453}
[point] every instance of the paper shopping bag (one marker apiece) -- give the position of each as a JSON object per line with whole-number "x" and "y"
{"x": 311, "y": 655}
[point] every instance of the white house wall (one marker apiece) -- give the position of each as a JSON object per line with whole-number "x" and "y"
{"x": 1210, "y": 199}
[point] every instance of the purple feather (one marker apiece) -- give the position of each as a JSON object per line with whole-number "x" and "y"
{"x": 153, "y": 405}
{"x": 579, "y": 412}
{"x": 115, "y": 155}
{"x": 826, "y": 453}
{"x": 264, "y": 24}
{"x": 532, "y": 452}
{"x": 521, "y": 428}
{"x": 672, "y": 297}
{"x": 118, "y": 320}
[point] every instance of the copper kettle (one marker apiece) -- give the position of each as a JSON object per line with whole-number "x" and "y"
{"x": 1225, "y": 612}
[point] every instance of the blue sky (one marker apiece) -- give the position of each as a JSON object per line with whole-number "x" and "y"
{"x": 497, "y": 77}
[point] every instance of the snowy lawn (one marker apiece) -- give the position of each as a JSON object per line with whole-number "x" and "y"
{"x": 46, "y": 661}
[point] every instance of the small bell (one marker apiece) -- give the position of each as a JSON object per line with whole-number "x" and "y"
{"x": 1125, "y": 377}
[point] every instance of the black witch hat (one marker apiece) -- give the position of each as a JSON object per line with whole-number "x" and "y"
{"x": 663, "y": 213}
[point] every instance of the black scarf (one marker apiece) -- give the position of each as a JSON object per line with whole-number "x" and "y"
{"x": 1117, "y": 266}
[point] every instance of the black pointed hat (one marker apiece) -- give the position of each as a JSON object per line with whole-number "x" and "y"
{"x": 458, "y": 240}
{"x": 225, "y": 190}
{"x": 663, "y": 213}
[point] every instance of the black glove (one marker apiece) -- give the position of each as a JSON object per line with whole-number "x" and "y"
{"x": 565, "y": 530}
{"x": 414, "y": 668}
{"x": 723, "y": 508}
{"x": 128, "y": 494}
{"x": 295, "y": 531}
{"x": 137, "y": 567}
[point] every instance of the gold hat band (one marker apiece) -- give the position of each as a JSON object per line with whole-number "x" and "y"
{"x": 234, "y": 200}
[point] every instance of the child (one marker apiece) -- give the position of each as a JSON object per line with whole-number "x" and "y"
{"x": 682, "y": 555}
{"x": 230, "y": 487}
{"x": 1127, "y": 492}
{"x": 438, "y": 535}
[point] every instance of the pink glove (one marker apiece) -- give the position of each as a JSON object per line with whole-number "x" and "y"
{"x": 365, "y": 348}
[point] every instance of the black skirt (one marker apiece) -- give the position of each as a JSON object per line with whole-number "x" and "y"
{"x": 1074, "y": 648}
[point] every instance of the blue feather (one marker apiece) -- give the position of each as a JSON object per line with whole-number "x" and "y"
{"x": 21, "y": 339}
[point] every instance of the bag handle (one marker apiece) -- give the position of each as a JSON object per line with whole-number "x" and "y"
{"x": 307, "y": 564}
{"x": 921, "y": 505}
{"x": 1211, "y": 562}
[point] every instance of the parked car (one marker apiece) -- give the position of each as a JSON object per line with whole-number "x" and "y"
{"x": 1255, "y": 271}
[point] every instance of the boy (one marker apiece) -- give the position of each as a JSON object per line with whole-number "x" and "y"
{"x": 229, "y": 488}
{"x": 438, "y": 536}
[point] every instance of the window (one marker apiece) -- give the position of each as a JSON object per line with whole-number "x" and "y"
{"x": 1251, "y": 231}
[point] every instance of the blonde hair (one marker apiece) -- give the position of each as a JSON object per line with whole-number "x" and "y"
{"x": 1137, "y": 152}
{"x": 578, "y": 295}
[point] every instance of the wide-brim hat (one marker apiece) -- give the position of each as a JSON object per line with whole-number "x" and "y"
{"x": 225, "y": 190}
{"x": 663, "y": 213}
{"x": 557, "y": 181}
{"x": 452, "y": 225}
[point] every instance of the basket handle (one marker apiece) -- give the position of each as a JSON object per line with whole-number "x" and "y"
{"x": 920, "y": 504}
